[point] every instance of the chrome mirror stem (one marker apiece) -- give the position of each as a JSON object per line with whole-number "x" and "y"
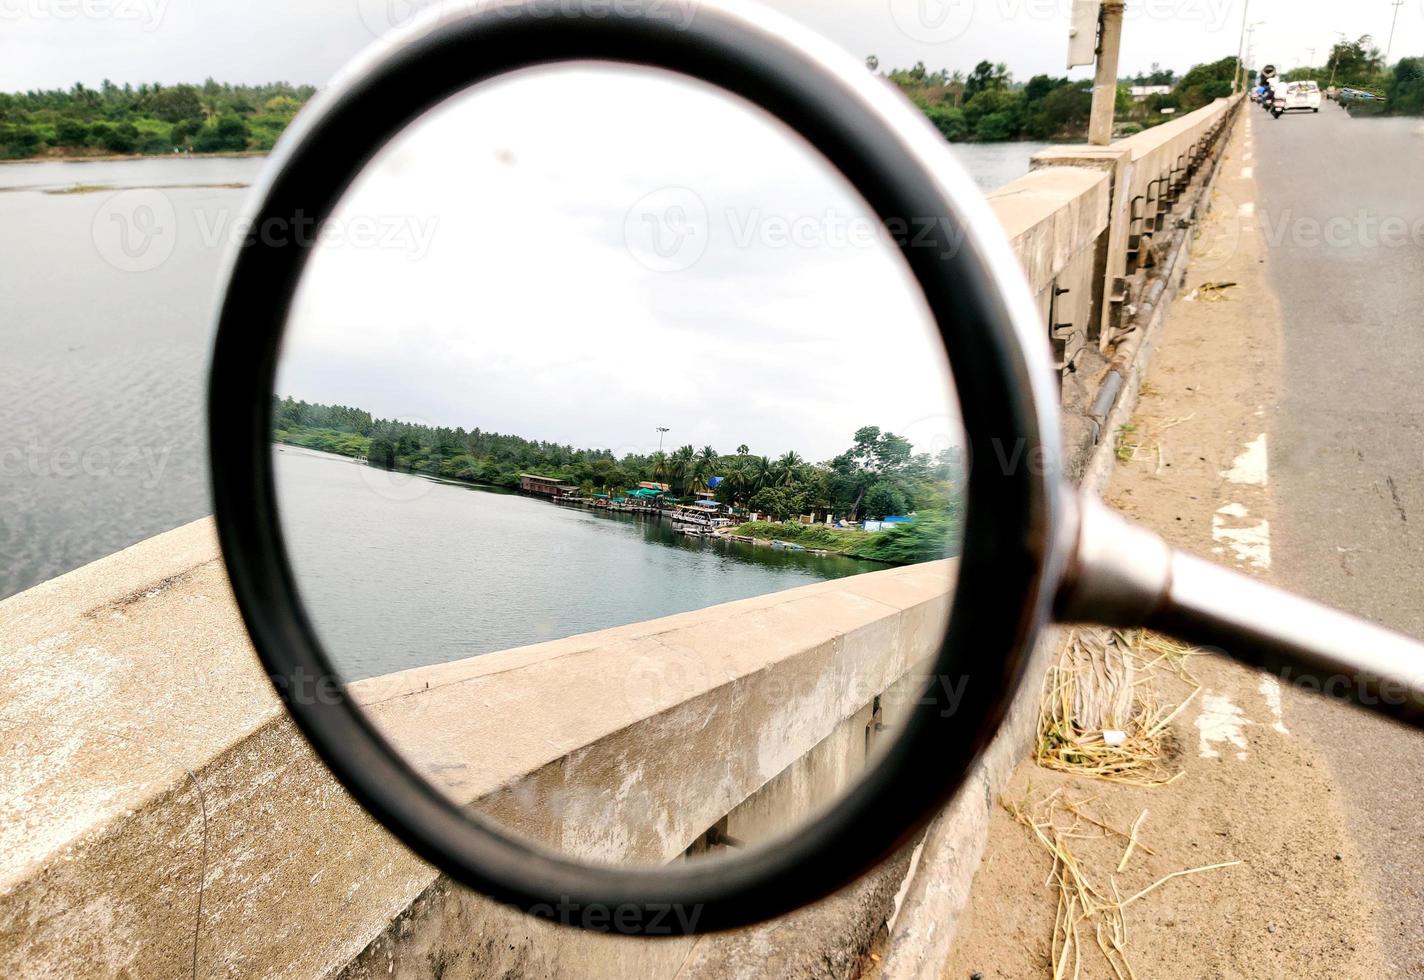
{"x": 1122, "y": 575}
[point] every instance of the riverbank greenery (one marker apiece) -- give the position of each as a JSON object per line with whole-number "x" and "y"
{"x": 1360, "y": 65}
{"x": 987, "y": 106}
{"x": 814, "y": 536}
{"x": 878, "y": 475}
{"x": 149, "y": 119}
{"x": 930, "y": 536}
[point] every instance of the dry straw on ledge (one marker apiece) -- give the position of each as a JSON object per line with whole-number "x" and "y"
{"x": 1102, "y": 715}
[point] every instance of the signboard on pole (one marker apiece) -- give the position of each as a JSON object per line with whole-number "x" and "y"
{"x": 1083, "y": 32}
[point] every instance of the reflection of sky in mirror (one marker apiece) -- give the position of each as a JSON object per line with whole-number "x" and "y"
{"x": 582, "y": 254}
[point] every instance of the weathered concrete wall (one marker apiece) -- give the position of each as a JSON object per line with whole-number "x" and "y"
{"x": 163, "y": 818}
{"x": 938, "y": 889}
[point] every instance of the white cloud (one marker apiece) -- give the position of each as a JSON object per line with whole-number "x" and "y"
{"x": 533, "y": 313}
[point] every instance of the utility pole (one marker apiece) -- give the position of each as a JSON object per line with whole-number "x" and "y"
{"x": 1334, "y": 60}
{"x": 1105, "y": 84}
{"x": 1241, "y": 52}
{"x": 1393, "y": 24}
{"x": 661, "y": 430}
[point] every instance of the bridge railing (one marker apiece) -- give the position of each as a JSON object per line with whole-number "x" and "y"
{"x": 160, "y": 816}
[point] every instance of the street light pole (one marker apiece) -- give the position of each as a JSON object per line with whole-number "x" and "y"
{"x": 661, "y": 430}
{"x": 1105, "y": 83}
{"x": 1241, "y": 51}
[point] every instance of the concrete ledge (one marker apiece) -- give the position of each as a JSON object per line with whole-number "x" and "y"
{"x": 166, "y": 818}
{"x": 937, "y": 892}
{"x": 1051, "y": 216}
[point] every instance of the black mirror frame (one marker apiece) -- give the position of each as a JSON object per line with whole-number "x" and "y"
{"x": 1000, "y": 362}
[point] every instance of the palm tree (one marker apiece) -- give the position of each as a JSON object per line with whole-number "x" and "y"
{"x": 743, "y": 450}
{"x": 763, "y": 472}
{"x": 706, "y": 465}
{"x": 660, "y": 466}
{"x": 788, "y": 468}
{"x": 680, "y": 469}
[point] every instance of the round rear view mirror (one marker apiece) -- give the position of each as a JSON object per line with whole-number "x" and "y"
{"x": 635, "y": 456}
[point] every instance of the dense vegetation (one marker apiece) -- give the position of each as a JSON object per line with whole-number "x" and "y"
{"x": 987, "y": 106}
{"x": 1359, "y": 65}
{"x": 932, "y": 535}
{"x": 877, "y": 476}
{"x": 149, "y": 119}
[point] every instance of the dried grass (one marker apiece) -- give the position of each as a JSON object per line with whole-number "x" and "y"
{"x": 1106, "y": 681}
{"x": 1085, "y": 905}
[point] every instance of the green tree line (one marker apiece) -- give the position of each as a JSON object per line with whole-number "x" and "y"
{"x": 986, "y": 105}
{"x": 1359, "y": 64}
{"x": 148, "y": 119}
{"x": 878, "y": 475}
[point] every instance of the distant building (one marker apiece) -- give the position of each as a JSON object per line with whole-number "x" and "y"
{"x": 1141, "y": 93}
{"x": 545, "y": 486}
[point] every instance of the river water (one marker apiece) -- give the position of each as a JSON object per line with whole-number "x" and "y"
{"x": 106, "y": 300}
{"x": 441, "y": 571}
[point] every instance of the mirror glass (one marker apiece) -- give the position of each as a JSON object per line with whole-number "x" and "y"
{"x": 619, "y": 464}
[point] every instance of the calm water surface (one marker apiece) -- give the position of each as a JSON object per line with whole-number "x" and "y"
{"x": 105, "y": 343}
{"x": 401, "y": 571}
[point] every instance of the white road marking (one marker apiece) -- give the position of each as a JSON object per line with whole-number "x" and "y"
{"x": 1251, "y": 467}
{"x": 1220, "y": 722}
{"x": 1271, "y": 691}
{"x": 1250, "y": 543}
{"x": 1247, "y": 209}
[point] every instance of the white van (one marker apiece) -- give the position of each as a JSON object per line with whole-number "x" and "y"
{"x": 1300, "y": 96}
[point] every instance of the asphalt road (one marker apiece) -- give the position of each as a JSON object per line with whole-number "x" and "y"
{"x": 1341, "y": 206}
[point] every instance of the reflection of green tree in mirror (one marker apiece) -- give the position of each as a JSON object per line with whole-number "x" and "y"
{"x": 878, "y": 476}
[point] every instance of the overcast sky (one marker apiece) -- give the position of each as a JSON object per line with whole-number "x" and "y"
{"x": 537, "y": 259}
{"x": 50, "y": 43}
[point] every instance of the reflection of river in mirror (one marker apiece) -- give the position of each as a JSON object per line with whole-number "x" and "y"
{"x": 649, "y": 301}
{"x": 458, "y": 571}
{"x": 592, "y": 273}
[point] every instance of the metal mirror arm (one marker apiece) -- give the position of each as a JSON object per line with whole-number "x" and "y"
{"x": 1123, "y": 575}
